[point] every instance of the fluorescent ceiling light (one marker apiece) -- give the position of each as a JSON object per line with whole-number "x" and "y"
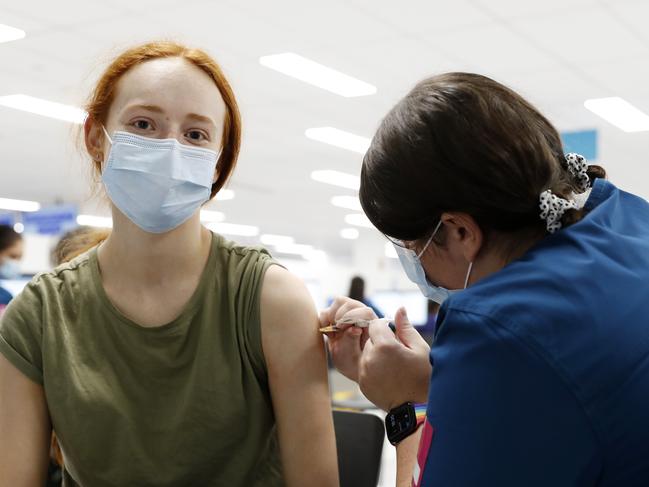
{"x": 95, "y": 221}
{"x": 358, "y": 220}
{"x": 45, "y": 108}
{"x": 620, "y": 113}
{"x": 349, "y": 233}
{"x": 269, "y": 239}
{"x": 349, "y": 202}
{"x": 390, "y": 251}
{"x": 19, "y": 205}
{"x": 337, "y": 178}
{"x": 225, "y": 194}
{"x": 298, "y": 249}
{"x": 234, "y": 229}
{"x": 316, "y": 74}
{"x": 339, "y": 138}
{"x": 209, "y": 216}
{"x": 8, "y": 33}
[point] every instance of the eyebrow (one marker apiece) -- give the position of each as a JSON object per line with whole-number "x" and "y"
{"x": 151, "y": 108}
{"x": 201, "y": 118}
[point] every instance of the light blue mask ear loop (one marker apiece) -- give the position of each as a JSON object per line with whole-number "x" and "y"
{"x": 430, "y": 239}
{"x": 439, "y": 224}
{"x": 468, "y": 274}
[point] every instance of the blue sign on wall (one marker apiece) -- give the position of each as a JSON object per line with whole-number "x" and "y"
{"x": 7, "y": 219}
{"x": 53, "y": 220}
{"x": 582, "y": 142}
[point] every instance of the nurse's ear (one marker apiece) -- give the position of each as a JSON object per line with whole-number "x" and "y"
{"x": 463, "y": 235}
{"x": 94, "y": 139}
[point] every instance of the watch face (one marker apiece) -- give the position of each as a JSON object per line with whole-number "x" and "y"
{"x": 400, "y": 422}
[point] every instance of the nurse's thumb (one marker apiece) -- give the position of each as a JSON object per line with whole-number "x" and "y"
{"x": 406, "y": 333}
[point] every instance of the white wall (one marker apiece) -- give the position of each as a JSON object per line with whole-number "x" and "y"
{"x": 332, "y": 277}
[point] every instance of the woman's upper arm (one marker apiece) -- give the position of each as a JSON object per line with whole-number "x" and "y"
{"x": 297, "y": 372}
{"x": 24, "y": 429}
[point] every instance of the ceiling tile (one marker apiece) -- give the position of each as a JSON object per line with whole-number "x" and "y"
{"x": 516, "y": 9}
{"x": 425, "y": 17}
{"x": 582, "y": 36}
{"x": 491, "y": 47}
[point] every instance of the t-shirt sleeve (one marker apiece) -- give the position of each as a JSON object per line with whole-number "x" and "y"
{"x": 500, "y": 414}
{"x": 254, "y": 264}
{"x": 21, "y": 333}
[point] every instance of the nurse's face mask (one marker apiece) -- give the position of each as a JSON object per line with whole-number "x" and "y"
{"x": 157, "y": 183}
{"x": 411, "y": 263}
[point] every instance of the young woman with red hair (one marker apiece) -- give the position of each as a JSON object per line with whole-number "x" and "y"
{"x": 167, "y": 355}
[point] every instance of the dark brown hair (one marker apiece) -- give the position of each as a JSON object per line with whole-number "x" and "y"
{"x": 8, "y": 237}
{"x": 357, "y": 288}
{"x": 463, "y": 142}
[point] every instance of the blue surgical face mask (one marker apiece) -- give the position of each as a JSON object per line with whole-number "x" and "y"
{"x": 10, "y": 269}
{"x": 157, "y": 183}
{"x": 411, "y": 263}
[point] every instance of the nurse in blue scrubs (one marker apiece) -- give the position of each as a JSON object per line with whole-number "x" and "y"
{"x": 539, "y": 370}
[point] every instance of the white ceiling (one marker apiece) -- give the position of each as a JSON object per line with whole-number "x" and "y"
{"x": 556, "y": 52}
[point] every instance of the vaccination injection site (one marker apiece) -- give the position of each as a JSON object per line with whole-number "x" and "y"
{"x": 351, "y": 243}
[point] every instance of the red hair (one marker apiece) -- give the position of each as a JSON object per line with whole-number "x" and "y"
{"x": 103, "y": 95}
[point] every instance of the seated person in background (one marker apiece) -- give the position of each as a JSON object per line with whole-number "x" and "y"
{"x": 11, "y": 251}
{"x": 76, "y": 242}
{"x": 357, "y": 293}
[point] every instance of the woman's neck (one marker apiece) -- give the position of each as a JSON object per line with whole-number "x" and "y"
{"x": 496, "y": 256}
{"x": 148, "y": 257}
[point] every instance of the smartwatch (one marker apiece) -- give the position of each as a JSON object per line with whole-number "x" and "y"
{"x": 404, "y": 420}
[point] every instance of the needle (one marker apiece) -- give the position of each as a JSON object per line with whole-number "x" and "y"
{"x": 360, "y": 323}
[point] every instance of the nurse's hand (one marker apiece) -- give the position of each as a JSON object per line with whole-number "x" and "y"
{"x": 346, "y": 346}
{"x": 395, "y": 368}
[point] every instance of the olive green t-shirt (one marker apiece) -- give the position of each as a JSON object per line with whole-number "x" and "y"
{"x": 183, "y": 404}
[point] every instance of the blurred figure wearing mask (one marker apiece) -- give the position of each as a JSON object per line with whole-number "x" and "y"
{"x": 11, "y": 252}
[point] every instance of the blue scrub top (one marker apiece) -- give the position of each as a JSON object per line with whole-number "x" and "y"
{"x": 541, "y": 370}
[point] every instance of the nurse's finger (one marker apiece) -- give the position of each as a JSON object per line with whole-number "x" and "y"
{"x": 354, "y": 310}
{"x": 328, "y": 315}
{"x": 380, "y": 333}
{"x": 368, "y": 350}
{"x": 365, "y": 337}
{"x": 407, "y": 333}
{"x": 345, "y": 352}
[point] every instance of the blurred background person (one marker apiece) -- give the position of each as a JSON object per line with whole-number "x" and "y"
{"x": 76, "y": 242}
{"x": 357, "y": 292}
{"x": 11, "y": 253}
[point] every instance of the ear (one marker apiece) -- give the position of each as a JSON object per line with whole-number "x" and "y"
{"x": 94, "y": 139}
{"x": 464, "y": 231}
